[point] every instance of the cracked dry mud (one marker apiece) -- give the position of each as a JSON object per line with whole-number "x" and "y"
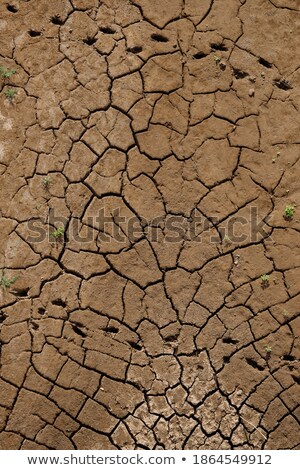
{"x": 160, "y": 112}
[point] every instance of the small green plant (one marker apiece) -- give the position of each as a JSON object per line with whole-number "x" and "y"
{"x": 6, "y": 282}
{"x": 268, "y": 349}
{"x": 10, "y": 93}
{"x": 265, "y": 280}
{"x": 46, "y": 181}
{"x": 289, "y": 212}
{"x": 6, "y": 73}
{"x": 217, "y": 59}
{"x": 226, "y": 239}
{"x": 58, "y": 232}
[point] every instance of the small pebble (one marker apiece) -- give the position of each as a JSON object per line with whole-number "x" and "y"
{"x": 252, "y": 79}
{"x": 251, "y": 92}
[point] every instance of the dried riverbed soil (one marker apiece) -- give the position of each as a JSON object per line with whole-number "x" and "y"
{"x": 177, "y": 121}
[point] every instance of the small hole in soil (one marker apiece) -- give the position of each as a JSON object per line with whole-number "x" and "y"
{"x": 171, "y": 338}
{"x": 288, "y": 357}
{"x": 12, "y": 8}
{"x": 159, "y": 38}
{"x": 239, "y": 74}
{"x": 59, "y": 302}
{"x": 283, "y": 84}
{"x": 34, "y": 325}
{"x": 219, "y": 47}
{"x": 254, "y": 364}
{"x": 135, "y": 50}
{"x": 33, "y": 33}
{"x": 2, "y": 317}
{"x": 226, "y": 359}
{"x": 265, "y": 63}
{"x": 41, "y": 310}
{"x": 57, "y": 20}
{"x": 89, "y": 41}
{"x": 78, "y": 331}
{"x": 135, "y": 345}
{"x": 296, "y": 379}
{"x": 199, "y": 55}
{"x": 21, "y": 292}
{"x": 111, "y": 329}
{"x": 107, "y": 30}
{"x": 230, "y": 341}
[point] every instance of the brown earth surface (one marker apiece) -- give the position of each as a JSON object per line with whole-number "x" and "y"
{"x": 152, "y": 329}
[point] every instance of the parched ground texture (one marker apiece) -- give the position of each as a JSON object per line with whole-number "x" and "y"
{"x": 180, "y": 117}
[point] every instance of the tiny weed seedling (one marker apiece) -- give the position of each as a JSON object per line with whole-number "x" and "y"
{"x": 217, "y": 59}
{"x": 268, "y": 349}
{"x": 265, "y": 280}
{"x": 289, "y": 212}
{"x": 226, "y": 239}
{"x": 10, "y": 94}
{"x": 46, "y": 181}
{"x": 6, "y": 282}
{"x": 58, "y": 233}
{"x": 6, "y": 73}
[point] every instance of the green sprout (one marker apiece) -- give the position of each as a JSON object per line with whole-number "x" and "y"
{"x": 217, "y": 59}
{"x": 226, "y": 239}
{"x": 5, "y": 282}
{"x": 265, "y": 278}
{"x": 10, "y": 93}
{"x": 58, "y": 232}
{"x": 268, "y": 349}
{"x": 289, "y": 212}
{"x": 46, "y": 181}
{"x": 6, "y": 73}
